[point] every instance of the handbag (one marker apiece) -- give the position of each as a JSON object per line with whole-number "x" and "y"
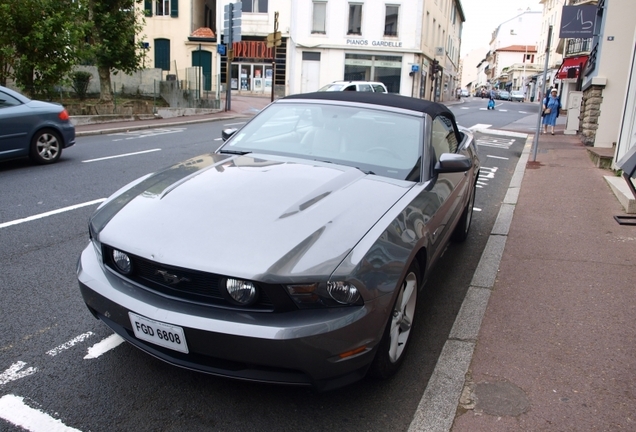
{"x": 547, "y": 111}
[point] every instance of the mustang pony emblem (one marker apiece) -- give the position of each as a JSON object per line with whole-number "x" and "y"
{"x": 170, "y": 278}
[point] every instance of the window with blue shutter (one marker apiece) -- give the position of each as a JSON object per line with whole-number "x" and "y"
{"x": 148, "y": 8}
{"x": 174, "y": 8}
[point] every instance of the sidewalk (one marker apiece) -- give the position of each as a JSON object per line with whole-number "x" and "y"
{"x": 242, "y": 107}
{"x": 555, "y": 350}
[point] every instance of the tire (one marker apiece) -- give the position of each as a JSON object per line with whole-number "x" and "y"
{"x": 46, "y": 147}
{"x": 397, "y": 335}
{"x": 463, "y": 226}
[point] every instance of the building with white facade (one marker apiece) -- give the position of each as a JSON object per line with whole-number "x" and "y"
{"x": 394, "y": 43}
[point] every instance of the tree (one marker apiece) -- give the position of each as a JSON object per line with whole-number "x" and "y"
{"x": 38, "y": 42}
{"x": 114, "y": 25}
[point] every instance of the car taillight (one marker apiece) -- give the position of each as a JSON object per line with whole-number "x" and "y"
{"x": 64, "y": 115}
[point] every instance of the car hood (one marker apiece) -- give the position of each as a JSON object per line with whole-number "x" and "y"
{"x": 265, "y": 219}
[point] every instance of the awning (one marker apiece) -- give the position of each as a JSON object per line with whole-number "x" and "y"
{"x": 570, "y": 67}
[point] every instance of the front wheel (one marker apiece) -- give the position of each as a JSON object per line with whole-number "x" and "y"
{"x": 46, "y": 147}
{"x": 396, "y": 338}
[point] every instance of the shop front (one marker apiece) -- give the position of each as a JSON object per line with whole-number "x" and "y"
{"x": 371, "y": 67}
{"x": 251, "y": 71}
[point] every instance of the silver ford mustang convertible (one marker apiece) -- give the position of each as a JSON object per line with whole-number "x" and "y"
{"x": 295, "y": 252}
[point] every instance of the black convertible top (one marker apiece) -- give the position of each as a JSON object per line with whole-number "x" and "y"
{"x": 433, "y": 109}
{"x": 386, "y": 99}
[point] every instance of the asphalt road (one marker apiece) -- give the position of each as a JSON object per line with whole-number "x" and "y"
{"x": 57, "y": 369}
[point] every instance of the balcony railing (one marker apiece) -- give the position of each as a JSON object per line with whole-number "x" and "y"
{"x": 577, "y": 47}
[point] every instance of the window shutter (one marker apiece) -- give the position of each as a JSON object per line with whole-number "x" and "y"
{"x": 174, "y": 8}
{"x": 148, "y": 8}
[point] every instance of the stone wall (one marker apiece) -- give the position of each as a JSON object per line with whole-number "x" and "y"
{"x": 590, "y": 112}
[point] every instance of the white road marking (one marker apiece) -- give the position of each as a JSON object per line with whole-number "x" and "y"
{"x": 465, "y": 108}
{"x": 51, "y": 213}
{"x": 522, "y": 112}
{"x": 490, "y": 141}
{"x": 15, "y": 411}
{"x": 145, "y": 133}
{"x": 122, "y": 155}
{"x": 502, "y": 110}
{"x": 104, "y": 346}
{"x": 476, "y": 209}
{"x": 479, "y": 126}
{"x": 218, "y": 139}
{"x": 234, "y": 124}
{"x": 497, "y": 157}
{"x": 55, "y": 351}
{"x": 15, "y": 372}
{"x": 483, "y": 109}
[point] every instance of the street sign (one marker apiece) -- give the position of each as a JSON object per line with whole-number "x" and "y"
{"x": 274, "y": 39}
{"x": 221, "y": 49}
{"x": 232, "y": 14}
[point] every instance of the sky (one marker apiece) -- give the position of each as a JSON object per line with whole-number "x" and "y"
{"x": 484, "y": 16}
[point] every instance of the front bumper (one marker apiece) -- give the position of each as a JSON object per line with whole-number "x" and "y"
{"x": 301, "y": 347}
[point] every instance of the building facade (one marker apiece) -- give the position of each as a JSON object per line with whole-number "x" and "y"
{"x": 320, "y": 41}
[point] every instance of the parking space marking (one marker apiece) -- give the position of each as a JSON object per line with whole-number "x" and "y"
{"x": 15, "y": 411}
{"x": 51, "y": 213}
{"x": 497, "y": 157}
{"x": 495, "y": 141}
{"x": 479, "y": 126}
{"x": 121, "y": 155}
{"x": 104, "y": 346}
{"x": 16, "y": 372}
{"x": 55, "y": 351}
{"x": 146, "y": 133}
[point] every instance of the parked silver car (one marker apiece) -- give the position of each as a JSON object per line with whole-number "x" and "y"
{"x": 33, "y": 128}
{"x": 296, "y": 252}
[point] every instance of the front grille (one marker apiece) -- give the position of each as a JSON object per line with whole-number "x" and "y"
{"x": 194, "y": 286}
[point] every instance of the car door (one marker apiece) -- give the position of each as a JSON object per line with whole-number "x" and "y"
{"x": 447, "y": 187}
{"x": 14, "y": 127}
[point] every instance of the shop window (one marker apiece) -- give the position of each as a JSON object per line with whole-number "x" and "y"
{"x": 319, "y": 18}
{"x": 355, "y": 19}
{"x": 391, "y": 20}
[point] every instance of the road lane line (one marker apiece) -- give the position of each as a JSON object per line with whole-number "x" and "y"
{"x": 55, "y": 351}
{"x": 51, "y": 213}
{"x": 15, "y": 411}
{"x": 121, "y": 155}
{"x": 15, "y": 372}
{"x": 104, "y": 346}
{"x": 496, "y": 157}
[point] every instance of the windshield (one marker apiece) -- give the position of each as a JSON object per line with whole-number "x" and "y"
{"x": 374, "y": 140}
{"x": 331, "y": 87}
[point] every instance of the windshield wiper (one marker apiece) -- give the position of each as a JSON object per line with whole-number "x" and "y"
{"x": 235, "y": 152}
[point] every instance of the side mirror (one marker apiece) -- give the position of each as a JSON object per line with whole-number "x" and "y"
{"x": 451, "y": 162}
{"x": 227, "y": 133}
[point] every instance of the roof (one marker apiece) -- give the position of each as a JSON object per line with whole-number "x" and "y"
{"x": 518, "y": 48}
{"x": 384, "y": 99}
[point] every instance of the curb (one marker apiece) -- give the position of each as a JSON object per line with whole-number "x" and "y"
{"x": 133, "y": 127}
{"x": 437, "y": 409}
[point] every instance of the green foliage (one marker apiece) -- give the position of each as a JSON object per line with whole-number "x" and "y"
{"x": 114, "y": 25}
{"x": 80, "y": 82}
{"x": 38, "y": 42}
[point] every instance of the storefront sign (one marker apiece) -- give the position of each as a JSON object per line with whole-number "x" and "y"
{"x": 253, "y": 49}
{"x": 375, "y": 43}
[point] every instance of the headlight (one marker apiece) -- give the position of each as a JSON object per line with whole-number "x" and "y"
{"x": 331, "y": 294}
{"x": 122, "y": 262}
{"x": 241, "y": 292}
{"x": 343, "y": 292}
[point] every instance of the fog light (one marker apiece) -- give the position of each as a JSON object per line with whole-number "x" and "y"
{"x": 122, "y": 262}
{"x": 343, "y": 292}
{"x": 240, "y": 291}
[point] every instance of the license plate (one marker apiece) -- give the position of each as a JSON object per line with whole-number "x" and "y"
{"x": 158, "y": 333}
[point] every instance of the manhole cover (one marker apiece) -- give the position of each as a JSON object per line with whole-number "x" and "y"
{"x": 500, "y": 398}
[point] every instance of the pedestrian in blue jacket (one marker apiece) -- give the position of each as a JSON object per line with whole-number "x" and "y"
{"x": 551, "y": 108}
